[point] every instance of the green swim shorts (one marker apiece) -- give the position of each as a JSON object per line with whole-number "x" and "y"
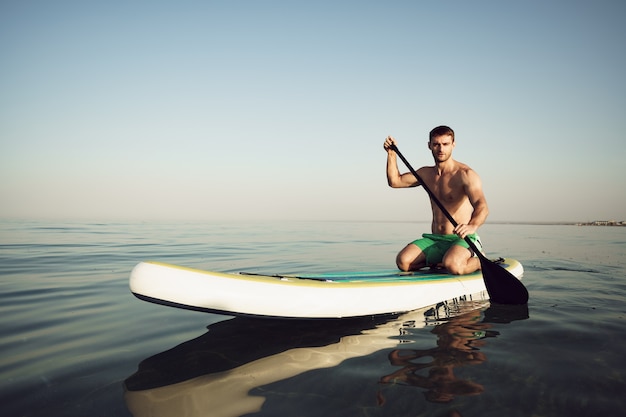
{"x": 436, "y": 246}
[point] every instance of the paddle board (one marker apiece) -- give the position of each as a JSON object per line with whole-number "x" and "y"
{"x": 310, "y": 296}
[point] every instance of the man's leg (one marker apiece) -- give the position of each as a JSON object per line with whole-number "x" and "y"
{"x": 411, "y": 258}
{"x": 459, "y": 260}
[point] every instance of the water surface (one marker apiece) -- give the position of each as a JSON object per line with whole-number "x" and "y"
{"x": 75, "y": 342}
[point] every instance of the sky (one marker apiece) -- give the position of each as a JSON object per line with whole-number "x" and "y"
{"x": 272, "y": 110}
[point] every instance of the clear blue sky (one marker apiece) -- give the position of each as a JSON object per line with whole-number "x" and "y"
{"x": 209, "y": 110}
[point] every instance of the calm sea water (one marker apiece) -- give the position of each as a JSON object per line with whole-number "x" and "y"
{"x": 76, "y": 342}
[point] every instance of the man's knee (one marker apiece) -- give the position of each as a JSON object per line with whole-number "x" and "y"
{"x": 461, "y": 265}
{"x": 403, "y": 262}
{"x": 456, "y": 260}
{"x": 454, "y": 267}
{"x": 409, "y": 258}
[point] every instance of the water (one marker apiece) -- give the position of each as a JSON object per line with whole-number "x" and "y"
{"x": 75, "y": 342}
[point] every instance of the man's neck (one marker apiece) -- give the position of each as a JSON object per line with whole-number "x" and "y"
{"x": 445, "y": 166}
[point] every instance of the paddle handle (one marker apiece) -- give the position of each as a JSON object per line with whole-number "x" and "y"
{"x": 434, "y": 198}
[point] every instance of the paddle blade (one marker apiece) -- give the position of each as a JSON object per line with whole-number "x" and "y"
{"x": 502, "y": 286}
{"x": 501, "y": 313}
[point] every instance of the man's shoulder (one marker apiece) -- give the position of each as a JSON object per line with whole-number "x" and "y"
{"x": 425, "y": 169}
{"x": 464, "y": 168}
{"x": 466, "y": 175}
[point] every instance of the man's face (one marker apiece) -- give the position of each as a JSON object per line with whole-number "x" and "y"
{"x": 441, "y": 147}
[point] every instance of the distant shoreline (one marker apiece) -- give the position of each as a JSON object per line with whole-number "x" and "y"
{"x": 593, "y": 223}
{"x": 603, "y": 223}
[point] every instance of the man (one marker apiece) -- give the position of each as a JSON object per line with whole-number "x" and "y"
{"x": 460, "y": 191}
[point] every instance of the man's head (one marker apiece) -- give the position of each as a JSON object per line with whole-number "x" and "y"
{"x": 441, "y": 143}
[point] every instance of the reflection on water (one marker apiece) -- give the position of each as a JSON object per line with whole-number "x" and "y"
{"x": 216, "y": 372}
{"x": 237, "y": 342}
{"x": 459, "y": 339}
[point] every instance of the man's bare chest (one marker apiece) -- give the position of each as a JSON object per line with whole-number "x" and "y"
{"x": 447, "y": 188}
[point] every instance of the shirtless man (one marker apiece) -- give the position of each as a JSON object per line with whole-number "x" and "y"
{"x": 460, "y": 190}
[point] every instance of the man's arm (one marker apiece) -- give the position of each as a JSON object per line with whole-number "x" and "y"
{"x": 394, "y": 178}
{"x": 474, "y": 190}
